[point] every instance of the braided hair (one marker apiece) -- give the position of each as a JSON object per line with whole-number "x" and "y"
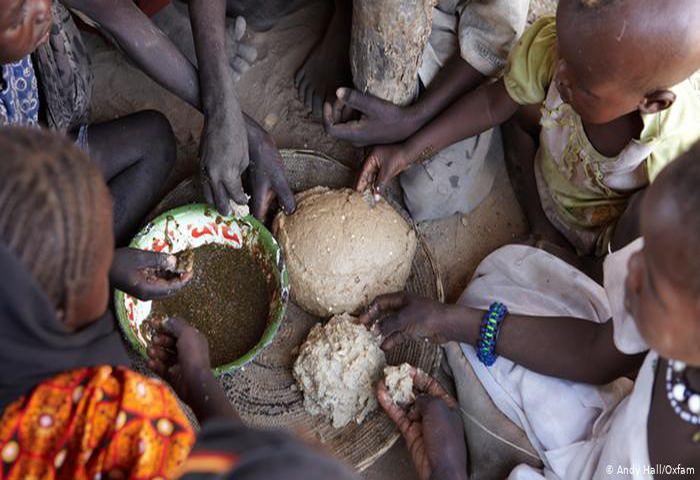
{"x": 48, "y": 194}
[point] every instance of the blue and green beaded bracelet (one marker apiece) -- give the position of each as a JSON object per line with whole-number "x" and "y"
{"x": 490, "y": 326}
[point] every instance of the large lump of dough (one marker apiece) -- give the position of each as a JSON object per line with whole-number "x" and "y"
{"x": 343, "y": 249}
{"x": 338, "y": 367}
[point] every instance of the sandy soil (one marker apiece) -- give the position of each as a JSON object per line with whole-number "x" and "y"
{"x": 266, "y": 93}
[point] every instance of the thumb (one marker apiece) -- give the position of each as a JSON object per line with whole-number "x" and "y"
{"x": 285, "y": 196}
{"x": 261, "y": 201}
{"x": 427, "y": 405}
{"x": 154, "y": 260}
{"x": 392, "y": 323}
{"x": 359, "y": 101}
{"x": 387, "y": 171}
{"x": 163, "y": 261}
{"x": 367, "y": 173}
{"x": 174, "y": 326}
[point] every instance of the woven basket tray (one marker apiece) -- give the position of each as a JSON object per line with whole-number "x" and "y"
{"x": 264, "y": 392}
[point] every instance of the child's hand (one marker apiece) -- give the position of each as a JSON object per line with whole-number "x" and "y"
{"x": 266, "y": 175}
{"x": 380, "y": 122}
{"x": 224, "y": 158}
{"x": 405, "y": 316}
{"x": 146, "y": 275}
{"x": 383, "y": 163}
{"x": 432, "y": 428}
{"x": 179, "y": 353}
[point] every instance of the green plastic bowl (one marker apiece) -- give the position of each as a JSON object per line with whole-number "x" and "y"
{"x": 192, "y": 226}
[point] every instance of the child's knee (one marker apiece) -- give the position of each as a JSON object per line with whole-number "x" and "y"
{"x": 161, "y": 138}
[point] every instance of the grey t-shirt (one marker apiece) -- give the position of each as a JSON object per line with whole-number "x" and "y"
{"x": 484, "y": 31}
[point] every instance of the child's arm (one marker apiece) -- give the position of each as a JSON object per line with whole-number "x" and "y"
{"x": 383, "y": 122}
{"x": 161, "y": 60}
{"x": 225, "y": 141}
{"x": 144, "y": 44}
{"x": 180, "y": 354}
{"x": 627, "y": 229}
{"x": 564, "y": 347}
{"x": 474, "y": 113}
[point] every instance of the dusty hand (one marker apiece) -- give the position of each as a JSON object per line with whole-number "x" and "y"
{"x": 432, "y": 429}
{"x": 224, "y": 152}
{"x": 381, "y": 165}
{"x": 178, "y": 353}
{"x": 266, "y": 174}
{"x": 146, "y": 275}
{"x": 379, "y": 122}
{"x": 242, "y": 55}
{"x": 405, "y": 316}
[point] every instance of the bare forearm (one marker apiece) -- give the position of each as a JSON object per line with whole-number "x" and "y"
{"x": 144, "y": 44}
{"x": 454, "y": 80}
{"x": 161, "y": 60}
{"x": 218, "y": 94}
{"x": 448, "y": 473}
{"x": 563, "y": 347}
{"x": 210, "y": 400}
{"x": 474, "y": 113}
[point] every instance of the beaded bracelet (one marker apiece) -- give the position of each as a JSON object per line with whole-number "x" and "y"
{"x": 490, "y": 326}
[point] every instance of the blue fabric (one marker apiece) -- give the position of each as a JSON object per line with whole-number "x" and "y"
{"x": 19, "y": 94}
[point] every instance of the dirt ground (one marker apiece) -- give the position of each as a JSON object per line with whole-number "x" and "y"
{"x": 266, "y": 92}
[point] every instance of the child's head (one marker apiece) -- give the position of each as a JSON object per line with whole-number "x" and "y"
{"x": 24, "y": 25}
{"x": 56, "y": 216}
{"x": 663, "y": 285}
{"x": 620, "y": 56}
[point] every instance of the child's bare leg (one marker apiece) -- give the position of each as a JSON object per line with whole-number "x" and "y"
{"x": 521, "y": 140}
{"x": 627, "y": 229}
{"x": 328, "y": 65}
{"x": 261, "y": 15}
{"x": 135, "y": 154}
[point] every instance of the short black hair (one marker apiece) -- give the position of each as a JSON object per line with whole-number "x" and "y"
{"x": 595, "y": 4}
{"x": 48, "y": 192}
{"x": 680, "y": 183}
{"x": 669, "y": 55}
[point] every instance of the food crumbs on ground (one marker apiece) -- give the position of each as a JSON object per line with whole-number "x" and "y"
{"x": 227, "y": 300}
{"x": 338, "y": 367}
{"x": 399, "y": 384}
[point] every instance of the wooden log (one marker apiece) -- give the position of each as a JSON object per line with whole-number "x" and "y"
{"x": 388, "y": 40}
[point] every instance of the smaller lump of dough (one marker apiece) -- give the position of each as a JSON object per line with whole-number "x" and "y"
{"x": 399, "y": 384}
{"x": 338, "y": 367}
{"x": 343, "y": 249}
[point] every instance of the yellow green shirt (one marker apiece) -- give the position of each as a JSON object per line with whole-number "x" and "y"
{"x": 583, "y": 192}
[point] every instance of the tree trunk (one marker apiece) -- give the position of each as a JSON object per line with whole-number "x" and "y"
{"x": 388, "y": 40}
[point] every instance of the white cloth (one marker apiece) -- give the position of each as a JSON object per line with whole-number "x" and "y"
{"x": 458, "y": 178}
{"x": 484, "y": 31}
{"x": 625, "y": 334}
{"x": 576, "y": 428}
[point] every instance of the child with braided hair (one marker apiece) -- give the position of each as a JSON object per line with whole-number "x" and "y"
{"x": 70, "y": 409}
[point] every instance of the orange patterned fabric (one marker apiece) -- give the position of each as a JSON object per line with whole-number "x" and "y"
{"x": 94, "y": 423}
